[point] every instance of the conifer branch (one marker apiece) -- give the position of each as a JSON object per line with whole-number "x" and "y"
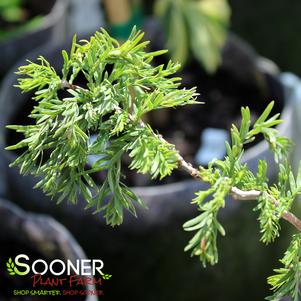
{"x": 112, "y": 106}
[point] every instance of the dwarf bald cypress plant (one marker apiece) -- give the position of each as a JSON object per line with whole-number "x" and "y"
{"x": 112, "y": 105}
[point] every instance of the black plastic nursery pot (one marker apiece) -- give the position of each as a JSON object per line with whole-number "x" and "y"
{"x": 52, "y": 29}
{"x": 39, "y": 237}
{"x": 145, "y": 255}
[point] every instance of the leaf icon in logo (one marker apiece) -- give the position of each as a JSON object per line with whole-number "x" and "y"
{"x": 106, "y": 276}
{"x": 10, "y": 267}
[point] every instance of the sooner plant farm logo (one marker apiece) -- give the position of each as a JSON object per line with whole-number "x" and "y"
{"x": 82, "y": 272}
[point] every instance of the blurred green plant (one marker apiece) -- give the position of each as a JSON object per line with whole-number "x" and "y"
{"x": 12, "y": 13}
{"x": 122, "y": 86}
{"x": 10, "y": 10}
{"x": 197, "y": 26}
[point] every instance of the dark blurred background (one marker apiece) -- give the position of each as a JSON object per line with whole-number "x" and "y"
{"x": 272, "y": 27}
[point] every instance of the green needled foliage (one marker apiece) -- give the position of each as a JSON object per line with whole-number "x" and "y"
{"x": 223, "y": 175}
{"x": 121, "y": 87}
{"x": 111, "y": 106}
{"x": 272, "y": 202}
{"x": 286, "y": 281}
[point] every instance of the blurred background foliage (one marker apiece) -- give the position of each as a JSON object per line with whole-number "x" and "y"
{"x": 272, "y": 27}
{"x": 200, "y": 26}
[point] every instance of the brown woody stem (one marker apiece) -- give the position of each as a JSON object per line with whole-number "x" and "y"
{"x": 187, "y": 167}
{"x": 67, "y": 85}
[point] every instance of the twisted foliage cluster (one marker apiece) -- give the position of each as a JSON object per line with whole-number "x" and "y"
{"x": 121, "y": 87}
